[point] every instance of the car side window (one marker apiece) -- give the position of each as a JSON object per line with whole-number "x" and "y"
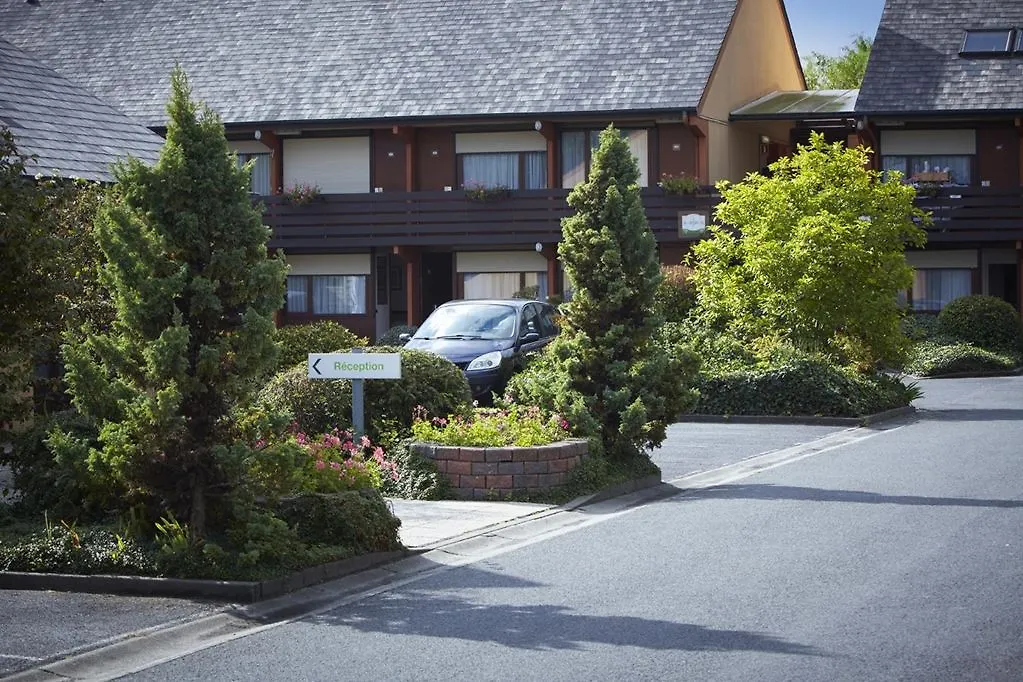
{"x": 547, "y": 321}
{"x": 530, "y": 320}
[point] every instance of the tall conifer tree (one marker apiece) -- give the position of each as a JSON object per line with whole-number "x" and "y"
{"x": 195, "y": 293}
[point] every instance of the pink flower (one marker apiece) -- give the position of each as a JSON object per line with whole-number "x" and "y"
{"x": 300, "y": 438}
{"x": 319, "y": 464}
{"x": 260, "y": 444}
{"x": 365, "y": 442}
{"x": 564, "y": 424}
{"x": 335, "y": 466}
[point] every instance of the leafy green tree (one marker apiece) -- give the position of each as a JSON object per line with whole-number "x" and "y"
{"x": 194, "y": 293}
{"x": 821, "y": 257}
{"x": 25, "y": 290}
{"x": 609, "y": 377}
{"x": 842, "y": 72}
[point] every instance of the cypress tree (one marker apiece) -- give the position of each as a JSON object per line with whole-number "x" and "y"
{"x": 628, "y": 385}
{"x": 195, "y": 293}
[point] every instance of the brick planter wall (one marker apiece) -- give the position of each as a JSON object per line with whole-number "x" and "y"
{"x": 485, "y": 473}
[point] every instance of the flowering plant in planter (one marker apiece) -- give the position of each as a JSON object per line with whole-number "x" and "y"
{"x": 524, "y": 426}
{"x": 325, "y": 463}
{"x": 678, "y": 184}
{"x": 477, "y": 191}
{"x": 301, "y": 193}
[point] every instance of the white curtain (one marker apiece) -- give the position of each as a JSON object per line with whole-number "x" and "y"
{"x": 958, "y": 167}
{"x": 637, "y": 140}
{"x": 573, "y": 158}
{"x": 339, "y": 295}
{"x": 536, "y": 170}
{"x": 491, "y": 284}
{"x": 934, "y": 289}
{"x": 298, "y": 294}
{"x": 491, "y": 170}
{"x": 260, "y": 172}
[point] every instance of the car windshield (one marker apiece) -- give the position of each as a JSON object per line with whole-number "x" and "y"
{"x": 469, "y": 321}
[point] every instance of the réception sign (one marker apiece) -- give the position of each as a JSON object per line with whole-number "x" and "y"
{"x": 354, "y": 366}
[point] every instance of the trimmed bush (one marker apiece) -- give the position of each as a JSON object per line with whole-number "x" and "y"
{"x": 356, "y": 519}
{"x": 983, "y": 321}
{"x": 65, "y": 549}
{"x": 920, "y": 326}
{"x": 319, "y": 405}
{"x": 391, "y": 337}
{"x": 675, "y": 295}
{"x": 418, "y": 477}
{"x": 801, "y": 387}
{"x": 296, "y": 342}
{"x": 931, "y": 358}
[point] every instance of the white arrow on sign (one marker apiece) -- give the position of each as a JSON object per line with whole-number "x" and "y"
{"x": 354, "y": 366}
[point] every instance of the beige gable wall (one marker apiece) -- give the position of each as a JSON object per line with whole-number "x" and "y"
{"x": 757, "y": 58}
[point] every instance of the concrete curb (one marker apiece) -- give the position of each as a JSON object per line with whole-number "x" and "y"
{"x": 220, "y": 590}
{"x": 971, "y": 375}
{"x": 613, "y": 491}
{"x": 806, "y": 420}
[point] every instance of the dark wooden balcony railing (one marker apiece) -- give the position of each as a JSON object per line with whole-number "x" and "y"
{"x": 449, "y": 218}
{"x": 973, "y": 213}
{"x": 524, "y": 217}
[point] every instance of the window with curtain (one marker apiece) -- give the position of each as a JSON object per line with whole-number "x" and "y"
{"x": 298, "y": 294}
{"x": 260, "y": 172}
{"x": 933, "y": 289}
{"x": 577, "y": 148}
{"x": 514, "y": 170}
{"x": 502, "y": 284}
{"x": 957, "y": 169}
{"x": 339, "y": 295}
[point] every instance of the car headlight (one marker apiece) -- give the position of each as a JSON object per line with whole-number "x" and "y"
{"x": 485, "y": 361}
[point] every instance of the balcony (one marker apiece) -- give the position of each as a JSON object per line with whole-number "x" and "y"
{"x": 343, "y": 221}
{"x": 346, "y": 221}
{"x": 973, "y": 214}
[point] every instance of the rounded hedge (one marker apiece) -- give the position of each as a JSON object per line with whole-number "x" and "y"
{"x": 984, "y": 321}
{"x": 931, "y": 359}
{"x": 318, "y": 405}
{"x": 295, "y": 342}
{"x": 390, "y": 338}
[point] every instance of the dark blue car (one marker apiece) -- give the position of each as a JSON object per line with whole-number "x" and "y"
{"x": 487, "y": 339}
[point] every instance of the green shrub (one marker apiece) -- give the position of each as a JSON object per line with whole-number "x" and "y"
{"x": 801, "y": 387}
{"x": 675, "y": 295}
{"x": 531, "y": 292}
{"x": 983, "y": 321}
{"x": 60, "y": 480}
{"x": 920, "y": 326}
{"x": 358, "y": 519}
{"x": 418, "y": 477}
{"x": 933, "y": 358}
{"x": 296, "y": 342}
{"x": 62, "y": 548}
{"x": 319, "y": 405}
{"x": 391, "y": 337}
{"x": 519, "y": 425}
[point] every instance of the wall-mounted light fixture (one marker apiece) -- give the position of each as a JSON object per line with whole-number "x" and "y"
{"x": 258, "y": 134}
{"x": 538, "y": 246}
{"x": 390, "y": 155}
{"x": 764, "y": 139}
{"x": 676, "y": 147}
{"x": 537, "y": 125}
{"x": 435, "y": 152}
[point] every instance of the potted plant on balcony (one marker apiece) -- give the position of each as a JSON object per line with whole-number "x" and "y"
{"x": 680, "y": 184}
{"x": 301, "y": 193}
{"x": 477, "y": 191}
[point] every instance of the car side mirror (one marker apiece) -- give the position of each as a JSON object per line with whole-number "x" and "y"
{"x": 404, "y": 336}
{"x": 529, "y": 337}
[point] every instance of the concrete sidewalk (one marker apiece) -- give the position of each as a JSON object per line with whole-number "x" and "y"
{"x": 425, "y": 524}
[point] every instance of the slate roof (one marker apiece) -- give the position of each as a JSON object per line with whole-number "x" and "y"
{"x": 915, "y": 65}
{"x": 68, "y": 129}
{"x": 302, "y": 60}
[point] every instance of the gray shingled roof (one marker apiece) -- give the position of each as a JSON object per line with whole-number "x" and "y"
{"x": 915, "y": 65}
{"x": 300, "y": 60}
{"x": 65, "y": 127}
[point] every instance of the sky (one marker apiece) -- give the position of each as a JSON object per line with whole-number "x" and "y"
{"x": 828, "y": 25}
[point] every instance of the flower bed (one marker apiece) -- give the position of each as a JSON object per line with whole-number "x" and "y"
{"x": 499, "y": 453}
{"x": 503, "y": 472}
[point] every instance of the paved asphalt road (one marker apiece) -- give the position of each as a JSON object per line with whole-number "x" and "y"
{"x": 896, "y": 557}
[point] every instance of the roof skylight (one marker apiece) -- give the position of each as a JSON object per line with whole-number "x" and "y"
{"x": 989, "y": 41}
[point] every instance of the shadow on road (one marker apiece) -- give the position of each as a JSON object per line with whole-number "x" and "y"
{"x": 441, "y": 613}
{"x": 971, "y": 415}
{"x": 768, "y": 491}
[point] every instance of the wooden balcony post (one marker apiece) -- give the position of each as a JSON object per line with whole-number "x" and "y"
{"x": 274, "y": 143}
{"x": 413, "y": 283}
{"x": 409, "y": 136}
{"x": 701, "y": 133}
{"x": 550, "y": 133}
{"x": 550, "y": 252}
